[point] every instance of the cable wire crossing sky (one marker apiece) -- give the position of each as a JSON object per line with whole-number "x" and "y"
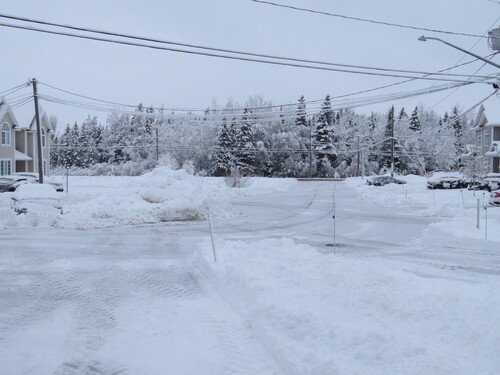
{"x": 201, "y": 54}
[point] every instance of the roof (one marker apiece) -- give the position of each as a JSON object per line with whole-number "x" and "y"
{"x": 491, "y": 111}
{"x": 4, "y": 109}
{"x": 21, "y": 156}
{"x": 488, "y": 114}
{"x": 25, "y": 115}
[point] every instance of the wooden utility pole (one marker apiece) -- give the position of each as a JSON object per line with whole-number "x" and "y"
{"x": 310, "y": 146}
{"x": 358, "y": 162}
{"x": 392, "y": 142}
{"x": 157, "y": 146}
{"x": 38, "y": 132}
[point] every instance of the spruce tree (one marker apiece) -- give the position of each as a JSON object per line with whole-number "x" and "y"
{"x": 323, "y": 138}
{"x": 301, "y": 115}
{"x": 415, "y": 121}
{"x": 223, "y": 159}
{"x": 244, "y": 142}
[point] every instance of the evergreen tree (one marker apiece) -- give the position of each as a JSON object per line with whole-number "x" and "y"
{"x": 223, "y": 159}
{"x": 323, "y": 139}
{"x": 415, "y": 121}
{"x": 301, "y": 115}
{"x": 244, "y": 142}
{"x": 389, "y": 143}
{"x": 458, "y": 127}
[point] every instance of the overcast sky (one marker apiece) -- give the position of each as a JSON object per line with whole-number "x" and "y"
{"x": 137, "y": 75}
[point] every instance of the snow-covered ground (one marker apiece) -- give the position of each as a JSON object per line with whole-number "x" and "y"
{"x": 411, "y": 286}
{"x": 159, "y": 196}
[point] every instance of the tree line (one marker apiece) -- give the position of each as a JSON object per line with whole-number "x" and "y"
{"x": 259, "y": 139}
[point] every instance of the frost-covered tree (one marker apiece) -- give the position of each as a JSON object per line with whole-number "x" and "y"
{"x": 223, "y": 159}
{"x": 323, "y": 139}
{"x": 245, "y": 147}
{"x": 415, "y": 120}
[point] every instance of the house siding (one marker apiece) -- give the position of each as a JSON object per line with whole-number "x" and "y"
{"x": 7, "y": 152}
{"x": 23, "y": 139}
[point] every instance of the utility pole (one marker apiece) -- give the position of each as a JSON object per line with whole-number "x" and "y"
{"x": 38, "y": 132}
{"x": 310, "y": 146}
{"x": 358, "y": 162}
{"x": 392, "y": 141}
{"x": 157, "y": 148}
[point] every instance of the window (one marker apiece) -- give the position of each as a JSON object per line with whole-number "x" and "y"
{"x": 487, "y": 137}
{"x": 43, "y": 138}
{"x": 5, "y": 134}
{"x": 5, "y": 167}
{"x": 478, "y": 139}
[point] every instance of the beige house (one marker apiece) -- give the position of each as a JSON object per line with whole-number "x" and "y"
{"x": 18, "y": 149}
{"x": 486, "y": 132}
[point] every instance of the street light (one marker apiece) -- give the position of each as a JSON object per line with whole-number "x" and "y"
{"x": 425, "y": 38}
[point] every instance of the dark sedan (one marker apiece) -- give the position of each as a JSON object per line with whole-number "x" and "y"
{"x": 9, "y": 183}
{"x": 383, "y": 180}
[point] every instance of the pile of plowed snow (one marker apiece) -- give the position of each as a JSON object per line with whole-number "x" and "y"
{"x": 159, "y": 196}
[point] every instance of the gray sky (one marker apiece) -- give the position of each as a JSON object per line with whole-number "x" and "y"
{"x": 133, "y": 75}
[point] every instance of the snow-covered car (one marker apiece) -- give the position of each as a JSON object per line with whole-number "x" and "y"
{"x": 477, "y": 184}
{"x": 494, "y": 199}
{"x": 493, "y": 181}
{"x": 446, "y": 181}
{"x": 489, "y": 182}
{"x": 37, "y": 198}
{"x": 33, "y": 177}
{"x": 11, "y": 183}
{"x": 383, "y": 180}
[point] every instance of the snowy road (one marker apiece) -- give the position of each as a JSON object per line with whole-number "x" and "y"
{"x": 122, "y": 300}
{"x": 131, "y": 300}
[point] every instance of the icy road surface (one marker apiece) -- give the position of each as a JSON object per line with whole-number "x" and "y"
{"x": 132, "y": 300}
{"x": 116, "y": 301}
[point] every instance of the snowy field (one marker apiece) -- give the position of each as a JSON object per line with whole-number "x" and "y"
{"x": 125, "y": 281}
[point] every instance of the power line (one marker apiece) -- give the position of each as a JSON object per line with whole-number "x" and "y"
{"x": 464, "y": 55}
{"x": 224, "y": 111}
{"x": 366, "y": 19}
{"x": 13, "y": 89}
{"x": 212, "y": 110}
{"x": 253, "y": 54}
{"x": 281, "y": 63}
{"x": 260, "y": 117}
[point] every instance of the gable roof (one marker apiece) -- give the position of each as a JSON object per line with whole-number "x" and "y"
{"x": 25, "y": 116}
{"x": 488, "y": 114}
{"x": 5, "y": 109}
{"x": 492, "y": 113}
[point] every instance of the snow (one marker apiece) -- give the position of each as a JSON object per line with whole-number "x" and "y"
{"x": 331, "y": 314}
{"x": 159, "y": 196}
{"x": 411, "y": 287}
{"x": 34, "y": 191}
{"x": 456, "y": 208}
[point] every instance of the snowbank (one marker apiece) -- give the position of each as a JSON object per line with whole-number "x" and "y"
{"x": 455, "y": 207}
{"x": 161, "y": 195}
{"x": 325, "y": 314}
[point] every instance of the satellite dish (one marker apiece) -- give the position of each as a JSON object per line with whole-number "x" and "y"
{"x": 494, "y": 39}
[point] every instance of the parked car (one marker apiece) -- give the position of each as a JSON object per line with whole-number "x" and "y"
{"x": 33, "y": 177}
{"x": 36, "y": 197}
{"x": 11, "y": 183}
{"x": 477, "y": 184}
{"x": 494, "y": 199}
{"x": 446, "y": 181}
{"x": 489, "y": 182}
{"x": 493, "y": 181}
{"x": 383, "y": 180}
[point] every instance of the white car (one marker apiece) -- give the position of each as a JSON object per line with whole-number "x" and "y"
{"x": 36, "y": 197}
{"x": 494, "y": 198}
